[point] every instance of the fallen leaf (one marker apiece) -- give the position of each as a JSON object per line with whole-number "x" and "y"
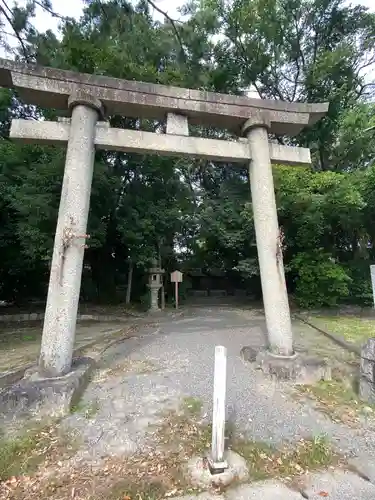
{"x": 323, "y": 494}
{"x": 171, "y": 493}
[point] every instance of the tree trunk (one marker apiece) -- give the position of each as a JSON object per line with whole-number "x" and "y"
{"x": 130, "y": 280}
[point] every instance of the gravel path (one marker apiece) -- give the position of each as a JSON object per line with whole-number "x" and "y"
{"x": 146, "y": 375}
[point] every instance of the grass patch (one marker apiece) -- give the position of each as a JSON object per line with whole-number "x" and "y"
{"x": 355, "y": 330}
{"x": 18, "y": 456}
{"x": 183, "y": 432}
{"x": 153, "y": 475}
{"x": 192, "y": 406}
{"x": 89, "y": 410}
{"x": 338, "y": 400}
{"x": 265, "y": 461}
{"x": 19, "y": 335}
{"x": 23, "y": 454}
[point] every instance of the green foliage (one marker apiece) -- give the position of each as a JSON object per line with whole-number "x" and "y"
{"x": 307, "y": 51}
{"x": 320, "y": 280}
{"x": 193, "y": 213}
{"x": 360, "y": 289}
{"x": 356, "y": 145}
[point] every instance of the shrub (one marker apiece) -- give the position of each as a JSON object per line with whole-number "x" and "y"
{"x": 320, "y": 280}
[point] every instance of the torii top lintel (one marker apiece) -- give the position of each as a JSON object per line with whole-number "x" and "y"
{"x": 51, "y": 88}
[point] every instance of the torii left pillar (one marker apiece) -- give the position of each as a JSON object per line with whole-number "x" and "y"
{"x": 69, "y": 245}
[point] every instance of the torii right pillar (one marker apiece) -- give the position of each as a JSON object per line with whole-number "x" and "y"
{"x": 275, "y": 297}
{"x": 280, "y": 358}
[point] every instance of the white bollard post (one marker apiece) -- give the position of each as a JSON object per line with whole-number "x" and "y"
{"x": 372, "y": 272}
{"x": 217, "y": 463}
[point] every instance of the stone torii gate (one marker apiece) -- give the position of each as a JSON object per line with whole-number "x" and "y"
{"x": 89, "y": 98}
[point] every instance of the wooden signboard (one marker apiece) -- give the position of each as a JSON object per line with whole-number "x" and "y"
{"x": 176, "y": 278}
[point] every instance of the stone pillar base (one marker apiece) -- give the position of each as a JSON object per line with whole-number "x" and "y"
{"x": 298, "y": 368}
{"x": 38, "y": 397}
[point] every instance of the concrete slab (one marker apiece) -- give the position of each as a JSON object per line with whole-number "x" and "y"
{"x": 267, "y": 490}
{"x": 338, "y": 485}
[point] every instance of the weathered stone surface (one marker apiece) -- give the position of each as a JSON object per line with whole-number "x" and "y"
{"x": 177, "y": 124}
{"x": 367, "y": 373}
{"x": 200, "y": 475}
{"x": 135, "y": 141}
{"x": 249, "y": 354}
{"x": 267, "y": 490}
{"x": 368, "y": 350}
{"x": 275, "y": 297}
{"x": 80, "y": 97}
{"x": 37, "y": 397}
{"x": 60, "y": 320}
{"x": 154, "y": 298}
{"x": 52, "y": 87}
{"x": 338, "y": 485}
{"x": 298, "y": 368}
{"x": 366, "y": 390}
{"x": 12, "y": 376}
{"x": 368, "y": 370}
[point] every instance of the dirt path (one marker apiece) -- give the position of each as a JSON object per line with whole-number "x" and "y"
{"x": 20, "y": 343}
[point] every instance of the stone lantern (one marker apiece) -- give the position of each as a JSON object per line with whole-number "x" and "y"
{"x": 154, "y": 284}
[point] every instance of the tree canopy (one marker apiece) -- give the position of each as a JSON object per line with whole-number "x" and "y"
{"x": 194, "y": 213}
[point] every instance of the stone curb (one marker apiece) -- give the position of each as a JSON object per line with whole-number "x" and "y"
{"x": 16, "y": 318}
{"x": 336, "y": 338}
{"x": 363, "y": 312}
{"x": 12, "y": 376}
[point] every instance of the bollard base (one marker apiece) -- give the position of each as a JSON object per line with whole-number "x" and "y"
{"x": 216, "y": 467}
{"x": 201, "y": 474}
